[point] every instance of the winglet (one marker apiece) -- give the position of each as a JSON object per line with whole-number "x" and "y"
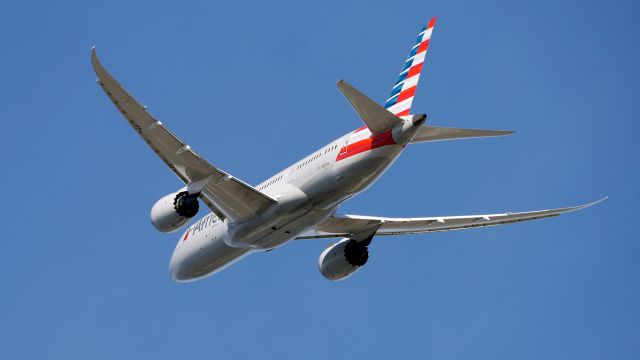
{"x": 579, "y": 207}
{"x": 94, "y": 59}
{"x": 584, "y": 206}
{"x": 100, "y": 71}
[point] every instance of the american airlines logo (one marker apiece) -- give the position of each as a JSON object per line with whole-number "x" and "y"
{"x": 205, "y": 222}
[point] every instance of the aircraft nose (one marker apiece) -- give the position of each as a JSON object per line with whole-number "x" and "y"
{"x": 177, "y": 268}
{"x": 182, "y": 268}
{"x": 174, "y": 267}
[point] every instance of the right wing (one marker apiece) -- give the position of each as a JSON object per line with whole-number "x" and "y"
{"x": 349, "y": 225}
{"x": 225, "y": 195}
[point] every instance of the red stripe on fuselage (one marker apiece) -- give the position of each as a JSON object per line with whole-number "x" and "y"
{"x": 370, "y": 143}
{"x": 186, "y": 235}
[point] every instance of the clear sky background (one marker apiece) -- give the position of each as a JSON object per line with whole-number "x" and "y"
{"x": 251, "y": 86}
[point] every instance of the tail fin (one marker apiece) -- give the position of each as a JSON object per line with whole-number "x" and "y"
{"x": 399, "y": 102}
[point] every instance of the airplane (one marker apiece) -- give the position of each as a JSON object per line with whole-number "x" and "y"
{"x": 299, "y": 202}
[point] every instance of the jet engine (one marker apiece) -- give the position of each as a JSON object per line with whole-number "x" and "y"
{"x": 174, "y": 210}
{"x": 343, "y": 259}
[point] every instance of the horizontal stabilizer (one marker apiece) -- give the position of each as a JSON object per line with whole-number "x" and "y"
{"x": 436, "y": 133}
{"x": 375, "y": 116}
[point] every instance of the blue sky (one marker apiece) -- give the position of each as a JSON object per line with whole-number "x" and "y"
{"x": 251, "y": 86}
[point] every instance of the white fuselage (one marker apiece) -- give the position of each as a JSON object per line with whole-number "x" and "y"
{"x": 307, "y": 192}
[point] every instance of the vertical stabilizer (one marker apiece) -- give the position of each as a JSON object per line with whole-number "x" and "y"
{"x": 399, "y": 102}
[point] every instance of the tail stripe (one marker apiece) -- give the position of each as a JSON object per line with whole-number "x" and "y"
{"x": 401, "y": 97}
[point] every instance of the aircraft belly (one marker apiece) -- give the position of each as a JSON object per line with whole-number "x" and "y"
{"x": 322, "y": 189}
{"x": 209, "y": 252}
{"x": 203, "y": 254}
{"x": 262, "y": 233}
{"x": 356, "y": 173}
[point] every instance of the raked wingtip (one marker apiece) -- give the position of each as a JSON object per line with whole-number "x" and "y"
{"x": 592, "y": 203}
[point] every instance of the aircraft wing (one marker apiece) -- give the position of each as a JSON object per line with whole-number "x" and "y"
{"x": 225, "y": 195}
{"x": 348, "y": 225}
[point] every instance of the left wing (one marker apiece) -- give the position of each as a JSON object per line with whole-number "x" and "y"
{"x": 348, "y": 225}
{"x": 225, "y": 195}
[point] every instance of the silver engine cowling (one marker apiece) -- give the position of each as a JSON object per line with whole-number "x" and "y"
{"x": 343, "y": 259}
{"x": 174, "y": 210}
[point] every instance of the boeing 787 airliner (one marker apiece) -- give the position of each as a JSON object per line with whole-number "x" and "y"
{"x": 299, "y": 202}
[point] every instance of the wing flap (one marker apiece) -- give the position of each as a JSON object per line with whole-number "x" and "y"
{"x": 224, "y": 194}
{"x": 346, "y": 225}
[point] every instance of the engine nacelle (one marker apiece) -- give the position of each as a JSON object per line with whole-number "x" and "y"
{"x": 174, "y": 210}
{"x": 343, "y": 259}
